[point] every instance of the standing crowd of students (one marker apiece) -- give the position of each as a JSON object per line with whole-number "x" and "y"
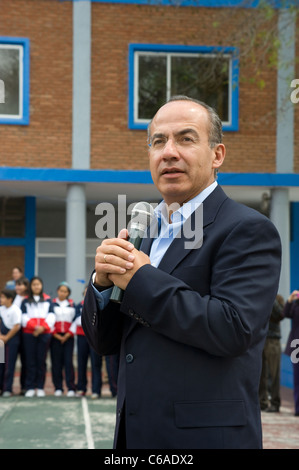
{"x": 33, "y": 325}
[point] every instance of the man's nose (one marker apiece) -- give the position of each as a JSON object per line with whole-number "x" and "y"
{"x": 170, "y": 149}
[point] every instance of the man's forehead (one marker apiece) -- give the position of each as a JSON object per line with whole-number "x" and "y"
{"x": 182, "y": 114}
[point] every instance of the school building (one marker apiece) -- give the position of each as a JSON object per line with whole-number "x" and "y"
{"x": 79, "y": 81}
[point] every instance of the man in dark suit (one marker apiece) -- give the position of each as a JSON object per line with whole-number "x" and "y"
{"x": 192, "y": 323}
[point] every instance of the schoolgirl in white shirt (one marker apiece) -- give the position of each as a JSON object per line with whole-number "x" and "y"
{"x": 10, "y": 319}
{"x": 37, "y": 324}
{"x": 22, "y": 290}
{"x": 62, "y": 344}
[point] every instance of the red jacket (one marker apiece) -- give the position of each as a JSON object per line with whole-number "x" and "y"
{"x": 37, "y": 314}
{"x": 64, "y": 314}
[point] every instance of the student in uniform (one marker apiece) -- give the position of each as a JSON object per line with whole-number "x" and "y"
{"x": 37, "y": 322}
{"x": 62, "y": 343}
{"x": 17, "y": 273}
{"x": 83, "y": 352}
{"x": 22, "y": 291}
{"x": 10, "y": 317}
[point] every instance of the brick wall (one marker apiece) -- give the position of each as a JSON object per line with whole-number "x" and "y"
{"x": 10, "y": 257}
{"x": 114, "y": 28}
{"x": 46, "y": 142}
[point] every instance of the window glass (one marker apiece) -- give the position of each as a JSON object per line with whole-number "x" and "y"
{"x": 152, "y": 84}
{"x": 202, "y": 78}
{"x": 14, "y": 80}
{"x": 10, "y": 76}
{"x": 208, "y": 74}
{"x": 12, "y": 217}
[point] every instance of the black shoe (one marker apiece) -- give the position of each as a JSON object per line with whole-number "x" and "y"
{"x": 273, "y": 409}
{"x": 264, "y": 407}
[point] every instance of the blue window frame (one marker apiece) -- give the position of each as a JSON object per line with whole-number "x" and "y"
{"x": 158, "y": 71}
{"x": 14, "y": 80}
{"x": 195, "y": 3}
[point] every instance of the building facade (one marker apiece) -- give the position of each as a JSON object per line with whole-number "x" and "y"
{"x": 79, "y": 81}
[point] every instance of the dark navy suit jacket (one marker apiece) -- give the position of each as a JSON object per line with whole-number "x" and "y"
{"x": 191, "y": 334}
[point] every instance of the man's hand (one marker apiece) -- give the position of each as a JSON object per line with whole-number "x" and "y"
{"x": 294, "y": 296}
{"x": 117, "y": 261}
{"x": 122, "y": 280}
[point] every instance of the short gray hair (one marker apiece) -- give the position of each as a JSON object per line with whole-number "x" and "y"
{"x": 215, "y": 131}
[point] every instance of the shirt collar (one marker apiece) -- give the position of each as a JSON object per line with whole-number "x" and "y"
{"x": 186, "y": 209}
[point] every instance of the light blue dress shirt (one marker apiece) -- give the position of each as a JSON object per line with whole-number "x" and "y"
{"x": 167, "y": 232}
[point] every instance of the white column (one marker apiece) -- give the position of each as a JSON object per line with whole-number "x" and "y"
{"x": 280, "y": 216}
{"x": 280, "y": 204}
{"x": 76, "y": 194}
{"x": 284, "y": 106}
{"x": 81, "y": 83}
{"x": 76, "y": 239}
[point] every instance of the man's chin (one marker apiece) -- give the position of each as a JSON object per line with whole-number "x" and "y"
{"x": 174, "y": 197}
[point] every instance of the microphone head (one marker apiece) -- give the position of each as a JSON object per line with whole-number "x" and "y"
{"x": 142, "y": 215}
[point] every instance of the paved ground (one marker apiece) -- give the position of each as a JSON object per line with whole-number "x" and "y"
{"x": 57, "y": 422}
{"x": 281, "y": 430}
{"x": 73, "y": 423}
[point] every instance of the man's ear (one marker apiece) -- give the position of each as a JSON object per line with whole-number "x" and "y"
{"x": 219, "y": 155}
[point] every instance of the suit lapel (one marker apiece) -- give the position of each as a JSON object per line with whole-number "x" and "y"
{"x": 181, "y": 245}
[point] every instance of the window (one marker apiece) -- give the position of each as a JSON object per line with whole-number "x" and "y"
{"x": 14, "y": 81}
{"x": 50, "y": 256}
{"x": 12, "y": 217}
{"x": 157, "y": 72}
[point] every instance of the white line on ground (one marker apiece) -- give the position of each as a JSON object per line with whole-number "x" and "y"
{"x": 88, "y": 431}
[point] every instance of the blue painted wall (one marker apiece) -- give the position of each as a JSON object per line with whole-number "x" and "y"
{"x": 294, "y": 253}
{"x": 286, "y": 364}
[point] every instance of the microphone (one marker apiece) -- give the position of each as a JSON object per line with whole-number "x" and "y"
{"x": 142, "y": 215}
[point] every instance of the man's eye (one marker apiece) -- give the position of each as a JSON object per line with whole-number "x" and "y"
{"x": 157, "y": 142}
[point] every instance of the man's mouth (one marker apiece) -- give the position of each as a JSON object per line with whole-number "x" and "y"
{"x": 171, "y": 171}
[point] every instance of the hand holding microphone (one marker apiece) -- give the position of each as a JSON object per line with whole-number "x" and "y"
{"x": 117, "y": 259}
{"x": 142, "y": 215}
